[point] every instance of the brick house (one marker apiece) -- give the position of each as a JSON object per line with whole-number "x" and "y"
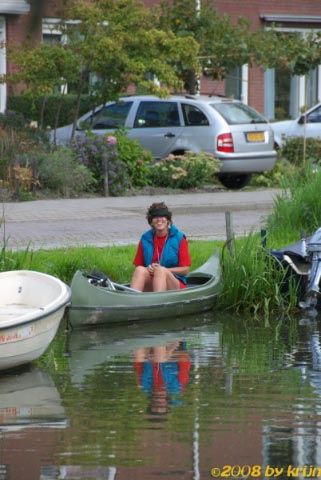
{"x": 274, "y": 93}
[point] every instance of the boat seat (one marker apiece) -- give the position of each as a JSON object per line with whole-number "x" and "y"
{"x": 194, "y": 281}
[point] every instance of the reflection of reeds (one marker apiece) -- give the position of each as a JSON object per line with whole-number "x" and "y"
{"x": 255, "y": 350}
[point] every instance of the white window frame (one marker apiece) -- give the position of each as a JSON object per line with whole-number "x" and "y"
{"x": 245, "y": 84}
{"x": 3, "y": 64}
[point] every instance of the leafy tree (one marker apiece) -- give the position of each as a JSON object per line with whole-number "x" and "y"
{"x": 225, "y": 45}
{"x": 116, "y": 40}
{"x": 42, "y": 68}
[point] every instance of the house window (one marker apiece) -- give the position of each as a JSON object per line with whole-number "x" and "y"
{"x": 233, "y": 83}
{"x": 311, "y": 88}
{"x": 51, "y": 39}
{"x": 236, "y": 83}
{"x": 286, "y": 95}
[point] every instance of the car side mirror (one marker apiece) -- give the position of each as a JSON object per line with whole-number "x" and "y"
{"x": 302, "y": 119}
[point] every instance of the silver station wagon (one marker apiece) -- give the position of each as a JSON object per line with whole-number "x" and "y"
{"x": 237, "y": 135}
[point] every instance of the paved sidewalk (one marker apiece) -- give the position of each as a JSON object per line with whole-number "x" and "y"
{"x": 121, "y": 220}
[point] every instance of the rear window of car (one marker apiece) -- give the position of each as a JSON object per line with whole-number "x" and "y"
{"x": 193, "y": 116}
{"x": 238, "y": 113}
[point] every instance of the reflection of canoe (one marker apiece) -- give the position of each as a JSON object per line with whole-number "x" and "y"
{"x": 95, "y": 302}
{"x": 31, "y": 307}
{"x": 85, "y": 352}
{"x": 30, "y": 399}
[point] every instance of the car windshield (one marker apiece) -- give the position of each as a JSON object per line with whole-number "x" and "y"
{"x": 238, "y": 113}
{"x": 110, "y": 116}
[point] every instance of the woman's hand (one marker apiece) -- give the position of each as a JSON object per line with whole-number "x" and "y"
{"x": 151, "y": 268}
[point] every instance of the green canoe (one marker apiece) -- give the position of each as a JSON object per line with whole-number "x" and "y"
{"x": 99, "y": 301}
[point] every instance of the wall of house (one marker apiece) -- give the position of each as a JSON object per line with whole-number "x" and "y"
{"x": 18, "y": 28}
{"x": 253, "y": 10}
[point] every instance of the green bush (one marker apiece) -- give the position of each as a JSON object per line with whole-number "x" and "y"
{"x": 137, "y": 159}
{"x": 60, "y": 172}
{"x": 185, "y": 171}
{"x": 275, "y": 177}
{"x": 93, "y": 151}
{"x": 293, "y": 150}
{"x": 17, "y": 138}
{"x": 30, "y": 107}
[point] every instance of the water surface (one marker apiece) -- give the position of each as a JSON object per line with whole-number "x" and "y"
{"x": 172, "y": 399}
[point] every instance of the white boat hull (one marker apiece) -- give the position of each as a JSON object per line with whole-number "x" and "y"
{"x": 32, "y": 305}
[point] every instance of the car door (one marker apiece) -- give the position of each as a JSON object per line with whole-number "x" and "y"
{"x": 312, "y": 126}
{"x": 308, "y": 125}
{"x": 157, "y": 126}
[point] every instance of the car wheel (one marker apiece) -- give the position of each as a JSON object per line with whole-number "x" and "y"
{"x": 234, "y": 181}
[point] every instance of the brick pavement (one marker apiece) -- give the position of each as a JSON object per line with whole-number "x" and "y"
{"x": 121, "y": 220}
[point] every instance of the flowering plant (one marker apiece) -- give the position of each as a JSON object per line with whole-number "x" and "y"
{"x": 190, "y": 170}
{"x": 99, "y": 154}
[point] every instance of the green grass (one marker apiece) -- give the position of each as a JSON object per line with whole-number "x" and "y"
{"x": 251, "y": 281}
{"x": 115, "y": 261}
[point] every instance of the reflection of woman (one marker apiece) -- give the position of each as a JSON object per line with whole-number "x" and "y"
{"x": 162, "y": 371}
{"x": 162, "y": 259}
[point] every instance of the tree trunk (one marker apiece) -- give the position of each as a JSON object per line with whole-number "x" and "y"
{"x": 80, "y": 87}
{"x": 191, "y": 83}
{"x": 105, "y": 174}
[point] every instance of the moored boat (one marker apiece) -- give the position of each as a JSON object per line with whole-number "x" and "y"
{"x": 98, "y": 300}
{"x": 302, "y": 261}
{"x": 32, "y": 305}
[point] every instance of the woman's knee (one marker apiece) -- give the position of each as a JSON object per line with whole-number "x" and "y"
{"x": 161, "y": 271}
{"x": 140, "y": 271}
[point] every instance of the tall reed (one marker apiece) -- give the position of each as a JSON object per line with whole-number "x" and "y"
{"x": 253, "y": 281}
{"x": 297, "y": 210}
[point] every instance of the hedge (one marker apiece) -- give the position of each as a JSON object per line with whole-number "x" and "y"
{"x": 31, "y": 106}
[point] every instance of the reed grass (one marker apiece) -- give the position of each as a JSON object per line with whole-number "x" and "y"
{"x": 115, "y": 261}
{"x": 297, "y": 211}
{"x": 252, "y": 280}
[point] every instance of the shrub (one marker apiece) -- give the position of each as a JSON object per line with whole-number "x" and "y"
{"x": 61, "y": 172}
{"x": 137, "y": 159}
{"x": 17, "y": 138}
{"x": 276, "y": 176}
{"x": 293, "y": 148}
{"x": 185, "y": 171}
{"x": 30, "y": 107}
{"x": 97, "y": 151}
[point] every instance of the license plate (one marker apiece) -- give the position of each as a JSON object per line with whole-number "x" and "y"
{"x": 254, "y": 137}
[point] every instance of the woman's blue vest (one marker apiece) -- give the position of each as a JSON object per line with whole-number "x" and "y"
{"x": 169, "y": 257}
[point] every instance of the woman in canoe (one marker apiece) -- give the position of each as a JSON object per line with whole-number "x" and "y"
{"x": 162, "y": 259}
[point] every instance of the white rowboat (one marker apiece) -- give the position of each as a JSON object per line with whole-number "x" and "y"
{"x": 32, "y": 305}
